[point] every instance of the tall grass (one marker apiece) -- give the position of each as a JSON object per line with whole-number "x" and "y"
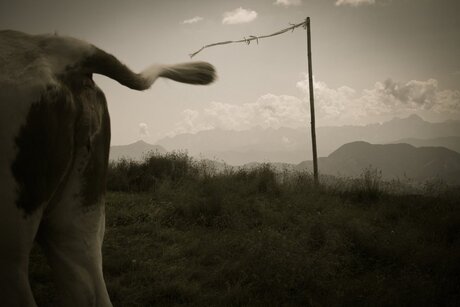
{"x": 191, "y": 235}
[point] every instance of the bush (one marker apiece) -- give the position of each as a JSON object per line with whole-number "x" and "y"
{"x": 177, "y": 168}
{"x": 369, "y": 187}
{"x": 131, "y": 176}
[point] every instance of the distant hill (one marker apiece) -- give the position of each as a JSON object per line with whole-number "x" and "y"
{"x": 449, "y": 142}
{"x": 394, "y": 160}
{"x": 241, "y": 147}
{"x": 288, "y": 145}
{"x": 134, "y": 151}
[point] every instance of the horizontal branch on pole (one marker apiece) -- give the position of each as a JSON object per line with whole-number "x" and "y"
{"x": 252, "y": 37}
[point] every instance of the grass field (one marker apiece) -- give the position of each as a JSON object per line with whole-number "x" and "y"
{"x": 193, "y": 237}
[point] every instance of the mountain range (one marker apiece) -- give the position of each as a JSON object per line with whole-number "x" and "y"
{"x": 393, "y": 160}
{"x": 288, "y": 145}
{"x": 135, "y": 151}
{"x": 401, "y": 148}
{"x": 450, "y": 142}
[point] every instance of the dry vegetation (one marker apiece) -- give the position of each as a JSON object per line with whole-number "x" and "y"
{"x": 180, "y": 233}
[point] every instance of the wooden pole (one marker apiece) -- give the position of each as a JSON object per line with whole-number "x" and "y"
{"x": 312, "y": 105}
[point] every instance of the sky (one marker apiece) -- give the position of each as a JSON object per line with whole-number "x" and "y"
{"x": 372, "y": 60}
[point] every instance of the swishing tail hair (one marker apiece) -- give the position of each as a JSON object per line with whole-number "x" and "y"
{"x": 106, "y": 64}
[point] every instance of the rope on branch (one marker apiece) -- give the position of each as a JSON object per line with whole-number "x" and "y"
{"x": 252, "y": 37}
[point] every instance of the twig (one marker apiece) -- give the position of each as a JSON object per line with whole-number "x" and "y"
{"x": 252, "y": 37}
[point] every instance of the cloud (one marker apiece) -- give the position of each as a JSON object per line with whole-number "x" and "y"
{"x": 143, "y": 130}
{"x": 415, "y": 95}
{"x": 384, "y": 101}
{"x": 333, "y": 107}
{"x": 412, "y": 94}
{"x": 269, "y": 111}
{"x": 192, "y": 122}
{"x": 354, "y": 2}
{"x": 288, "y": 2}
{"x": 239, "y": 15}
{"x": 193, "y": 20}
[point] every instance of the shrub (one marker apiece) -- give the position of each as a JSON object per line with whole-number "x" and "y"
{"x": 369, "y": 187}
{"x": 131, "y": 176}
